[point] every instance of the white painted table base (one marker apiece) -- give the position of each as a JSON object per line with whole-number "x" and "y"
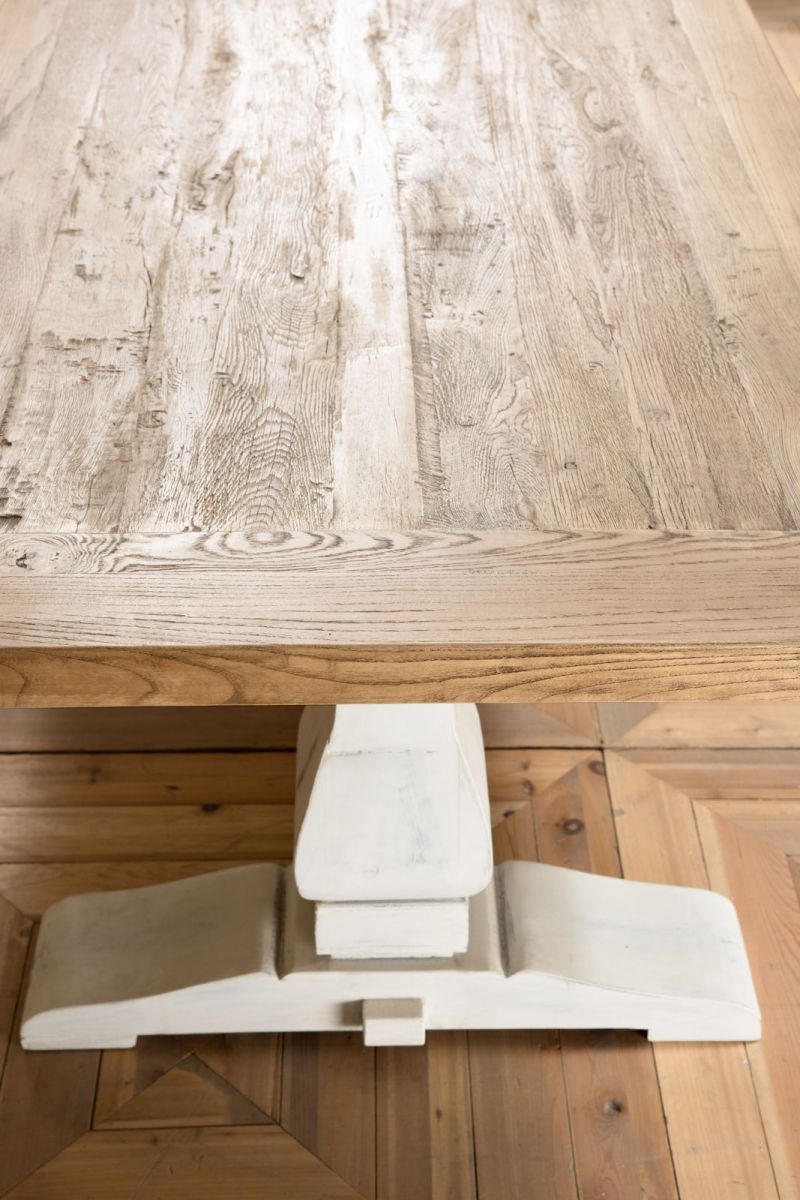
{"x": 559, "y": 949}
{"x": 235, "y": 951}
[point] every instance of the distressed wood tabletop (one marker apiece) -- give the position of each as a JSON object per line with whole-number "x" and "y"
{"x": 417, "y": 350}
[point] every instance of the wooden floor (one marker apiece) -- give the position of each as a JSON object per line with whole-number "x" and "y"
{"x": 707, "y": 795}
{"x": 780, "y": 20}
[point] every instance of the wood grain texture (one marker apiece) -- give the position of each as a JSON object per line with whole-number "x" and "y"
{"x": 433, "y": 268}
{"x": 773, "y": 821}
{"x": 616, "y": 1116}
{"x": 607, "y": 1087}
{"x": 784, "y": 38}
{"x": 33, "y": 887}
{"x": 54, "y": 64}
{"x": 496, "y": 616}
{"x": 155, "y": 778}
{"x": 382, "y": 250}
{"x": 757, "y": 104}
{"x": 538, "y": 725}
{"x": 15, "y": 932}
{"x": 574, "y": 825}
{"x": 249, "y": 1162}
{"x": 714, "y": 1160}
{"x": 317, "y": 1070}
{"x": 241, "y": 831}
{"x": 617, "y": 1122}
{"x": 757, "y": 877}
{"x": 678, "y": 725}
{"x": 523, "y": 1145}
{"x": 248, "y": 1064}
{"x": 516, "y": 776}
{"x": 774, "y": 12}
{"x": 747, "y": 812}
{"x": 189, "y": 1094}
{"x": 46, "y": 1103}
{"x": 114, "y": 730}
{"x": 464, "y": 589}
{"x": 424, "y": 1138}
{"x": 383, "y": 674}
{"x": 671, "y": 725}
{"x": 274, "y": 727}
{"x": 725, "y": 775}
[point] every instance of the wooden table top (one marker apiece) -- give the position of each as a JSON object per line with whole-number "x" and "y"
{"x": 416, "y": 351}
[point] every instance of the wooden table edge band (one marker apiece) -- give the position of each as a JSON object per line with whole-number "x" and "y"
{"x": 38, "y": 677}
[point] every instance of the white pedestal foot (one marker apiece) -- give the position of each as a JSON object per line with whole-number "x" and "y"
{"x": 234, "y": 951}
{"x": 396, "y": 923}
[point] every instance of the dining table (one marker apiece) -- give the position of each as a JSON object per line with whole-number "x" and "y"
{"x": 386, "y": 357}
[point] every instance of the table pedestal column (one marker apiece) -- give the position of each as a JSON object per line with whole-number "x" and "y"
{"x": 392, "y": 921}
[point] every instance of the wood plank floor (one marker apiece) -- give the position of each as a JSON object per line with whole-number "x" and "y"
{"x": 703, "y": 794}
{"x": 780, "y": 20}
